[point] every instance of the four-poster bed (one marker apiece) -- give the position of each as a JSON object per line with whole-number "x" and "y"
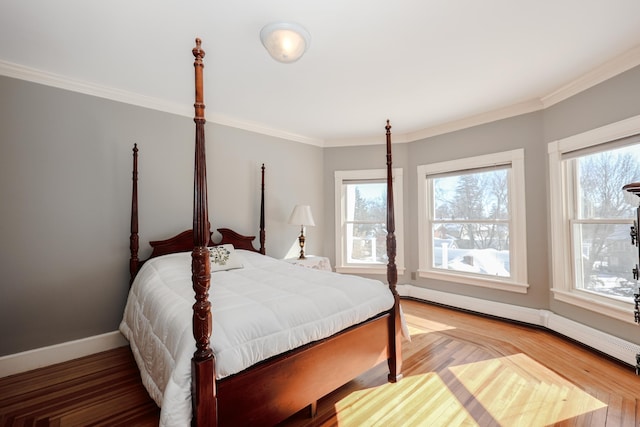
{"x": 269, "y": 390}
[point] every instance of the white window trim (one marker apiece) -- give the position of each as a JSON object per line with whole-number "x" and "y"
{"x": 340, "y": 177}
{"x": 518, "y": 280}
{"x": 562, "y": 275}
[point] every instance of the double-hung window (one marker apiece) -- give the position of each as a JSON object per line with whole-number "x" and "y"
{"x": 591, "y": 217}
{"x": 361, "y": 221}
{"x": 472, "y": 221}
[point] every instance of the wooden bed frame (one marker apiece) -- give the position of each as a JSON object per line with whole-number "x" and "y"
{"x": 277, "y": 388}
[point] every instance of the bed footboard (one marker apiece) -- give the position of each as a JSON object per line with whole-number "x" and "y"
{"x": 280, "y": 387}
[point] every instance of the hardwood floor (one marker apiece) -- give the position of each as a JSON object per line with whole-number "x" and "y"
{"x": 459, "y": 370}
{"x": 100, "y": 390}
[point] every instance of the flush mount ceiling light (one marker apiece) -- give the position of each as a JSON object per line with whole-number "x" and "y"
{"x": 286, "y": 42}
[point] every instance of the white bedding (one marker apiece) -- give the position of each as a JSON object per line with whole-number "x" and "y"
{"x": 261, "y": 310}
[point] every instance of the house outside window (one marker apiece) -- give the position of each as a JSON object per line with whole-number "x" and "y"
{"x": 472, "y": 221}
{"x": 361, "y": 221}
{"x": 591, "y": 218}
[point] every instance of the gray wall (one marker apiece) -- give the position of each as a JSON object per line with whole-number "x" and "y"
{"x": 519, "y": 132}
{"x": 65, "y": 192}
{"x": 608, "y": 102}
{"x": 65, "y": 176}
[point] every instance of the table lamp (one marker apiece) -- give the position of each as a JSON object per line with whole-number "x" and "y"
{"x": 301, "y": 216}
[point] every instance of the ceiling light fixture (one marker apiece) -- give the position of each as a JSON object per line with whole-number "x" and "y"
{"x": 286, "y": 42}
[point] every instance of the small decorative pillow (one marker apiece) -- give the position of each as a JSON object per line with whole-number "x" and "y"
{"x": 224, "y": 257}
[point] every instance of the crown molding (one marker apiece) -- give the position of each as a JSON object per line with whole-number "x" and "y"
{"x": 618, "y": 65}
{"x": 478, "y": 119}
{"x": 365, "y": 140}
{"x": 612, "y": 68}
{"x": 262, "y": 129}
{"x": 467, "y": 122}
{"x": 54, "y": 80}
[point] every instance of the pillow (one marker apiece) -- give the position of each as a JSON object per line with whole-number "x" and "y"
{"x": 224, "y": 257}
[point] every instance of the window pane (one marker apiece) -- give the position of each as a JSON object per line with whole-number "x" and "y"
{"x": 601, "y": 177}
{"x": 366, "y": 243}
{"x": 366, "y": 213}
{"x": 602, "y": 254}
{"x": 366, "y": 202}
{"x": 603, "y": 259}
{"x": 475, "y": 196}
{"x": 472, "y": 247}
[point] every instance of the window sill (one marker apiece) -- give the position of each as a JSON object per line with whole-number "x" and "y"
{"x": 362, "y": 269}
{"x": 521, "y": 288}
{"x": 616, "y": 310}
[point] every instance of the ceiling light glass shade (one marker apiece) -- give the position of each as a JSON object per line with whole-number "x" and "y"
{"x": 285, "y": 42}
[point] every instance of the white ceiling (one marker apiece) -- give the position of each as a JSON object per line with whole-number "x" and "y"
{"x": 421, "y": 63}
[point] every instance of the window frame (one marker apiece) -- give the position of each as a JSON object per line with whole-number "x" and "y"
{"x": 517, "y": 223}
{"x": 561, "y": 193}
{"x": 342, "y": 266}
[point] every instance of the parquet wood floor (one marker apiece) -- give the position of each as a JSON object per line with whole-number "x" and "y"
{"x": 459, "y": 369}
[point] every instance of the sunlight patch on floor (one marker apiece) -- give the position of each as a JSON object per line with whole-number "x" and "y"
{"x": 518, "y": 391}
{"x": 421, "y": 400}
{"x": 418, "y": 325}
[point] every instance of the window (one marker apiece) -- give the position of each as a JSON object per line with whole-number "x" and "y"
{"x": 361, "y": 221}
{"x": 591, "y": 219}
{"x": 472, "y": 221}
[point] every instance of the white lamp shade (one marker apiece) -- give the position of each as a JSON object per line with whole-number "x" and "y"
{"x": 301, "y": 215}
{"x": 285, "y": 42}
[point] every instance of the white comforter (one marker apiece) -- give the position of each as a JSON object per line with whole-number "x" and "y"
{"x": 261, "y": 310}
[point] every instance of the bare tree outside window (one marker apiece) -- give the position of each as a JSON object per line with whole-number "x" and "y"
{"x": 471, "y": 222}
{"x": 366, "y": 222}
{"x": 600, "y": 232}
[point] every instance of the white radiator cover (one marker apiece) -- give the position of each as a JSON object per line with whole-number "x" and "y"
{"x": 610, "y": 345}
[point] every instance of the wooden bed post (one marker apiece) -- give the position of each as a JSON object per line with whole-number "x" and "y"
{"x": 203, "y": 361}
{"x": 134, "y": 244}
{"x": 395, "y": 331}
{"x": 262, "y": 232}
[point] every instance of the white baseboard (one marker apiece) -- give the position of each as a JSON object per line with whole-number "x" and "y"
{"x": 615, "y": 347}
{"x": 610, "y": 345}
{"x": 45, "y": 356}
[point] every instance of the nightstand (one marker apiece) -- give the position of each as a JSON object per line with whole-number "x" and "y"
{"x": 311, "y": 261}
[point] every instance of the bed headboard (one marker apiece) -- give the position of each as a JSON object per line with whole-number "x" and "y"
{"x": 200, "y": 236}
{"x": 183, "y": 242}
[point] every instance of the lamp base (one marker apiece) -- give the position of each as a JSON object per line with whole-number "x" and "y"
{"x": 301, "y": 239}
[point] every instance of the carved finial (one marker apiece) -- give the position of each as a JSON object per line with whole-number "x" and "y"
{"x": 388, "y": 126}
{"x": 198, "y": 53}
